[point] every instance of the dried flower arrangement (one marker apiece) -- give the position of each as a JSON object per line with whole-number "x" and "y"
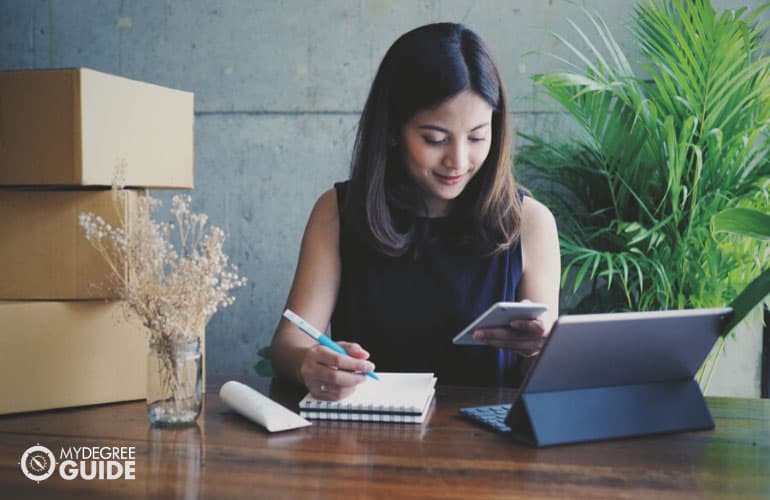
{"x": 175, "y": 293}
{"x": 174, "y": 277}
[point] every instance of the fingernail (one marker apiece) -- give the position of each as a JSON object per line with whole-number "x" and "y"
{"x": 369, "y": 367}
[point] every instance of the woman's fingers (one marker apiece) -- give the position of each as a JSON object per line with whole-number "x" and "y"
{"x": 524, "y": 347}
{"x": 330, "y": 392}
{"x": 330, "y": 375}
{"x": 334, "y": 384}
{"x": 354, "y": 349}
{"x": 525, "y": 337}
{"x": 326, "y": 356}
{"x": 488, "y": 335}
{"x": 532, "y": 326}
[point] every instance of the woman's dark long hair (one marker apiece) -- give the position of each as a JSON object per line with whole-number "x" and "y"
{"x": 421, "y": 70}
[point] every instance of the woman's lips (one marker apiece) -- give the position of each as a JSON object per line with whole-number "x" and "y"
{"x": 448, "y": 180}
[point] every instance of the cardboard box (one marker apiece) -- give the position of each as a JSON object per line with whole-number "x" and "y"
{"x": 72, "y": 126}
{"x": 61, "y": 354}
{"x": 43, "y": 250}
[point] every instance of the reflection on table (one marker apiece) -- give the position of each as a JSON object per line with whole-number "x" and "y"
{"x": 225, "y": 455}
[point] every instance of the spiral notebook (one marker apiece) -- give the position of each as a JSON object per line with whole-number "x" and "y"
{"x": 396, "y": 397}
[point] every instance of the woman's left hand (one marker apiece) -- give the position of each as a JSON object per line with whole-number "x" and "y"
{"x": 523, "y": 336}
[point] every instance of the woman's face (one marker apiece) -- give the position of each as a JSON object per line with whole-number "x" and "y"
{"x": 444, "y": 148}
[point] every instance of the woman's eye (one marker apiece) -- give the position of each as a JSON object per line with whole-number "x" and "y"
{"x": 433, "y": 142}
{"x": 477, "y": 139}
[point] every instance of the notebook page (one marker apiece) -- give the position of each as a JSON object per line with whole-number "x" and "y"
{"x": 393, "y": 392}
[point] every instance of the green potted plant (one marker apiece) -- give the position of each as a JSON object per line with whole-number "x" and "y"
{"x": 658, "y": 152}
{"x": 657, "y": 156}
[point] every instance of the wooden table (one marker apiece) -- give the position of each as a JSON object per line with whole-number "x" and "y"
{"x": 226, "y": 456}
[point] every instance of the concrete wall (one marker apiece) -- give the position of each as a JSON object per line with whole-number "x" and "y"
{"x": 738, "y": 368}
{"x": 278, "y": 85}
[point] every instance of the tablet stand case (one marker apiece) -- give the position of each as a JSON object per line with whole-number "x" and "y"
{"x": 616, "y": 375}
{"x": 561, "y": 417}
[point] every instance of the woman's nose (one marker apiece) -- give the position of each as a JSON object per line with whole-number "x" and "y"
{"x": 456, "y": 155}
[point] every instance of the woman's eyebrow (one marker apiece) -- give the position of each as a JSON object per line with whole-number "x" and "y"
{"x": 445, "y": 131}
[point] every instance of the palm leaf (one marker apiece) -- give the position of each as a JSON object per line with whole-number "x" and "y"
{"x": 743, "y": 221}
{"x": 658, "y": 156}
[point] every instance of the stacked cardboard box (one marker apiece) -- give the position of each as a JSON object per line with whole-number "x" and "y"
{"x": 62, "y": 132}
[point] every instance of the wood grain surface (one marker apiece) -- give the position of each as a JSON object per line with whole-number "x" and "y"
{"x": 226, "y": 456}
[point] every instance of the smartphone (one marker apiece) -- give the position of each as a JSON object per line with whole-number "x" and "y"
{"x": 500, "y": 314}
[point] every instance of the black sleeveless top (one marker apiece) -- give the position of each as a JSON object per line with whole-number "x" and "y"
{"x": 406, "y": 310}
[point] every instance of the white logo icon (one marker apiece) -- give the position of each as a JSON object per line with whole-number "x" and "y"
{"x": 38, "y": 463}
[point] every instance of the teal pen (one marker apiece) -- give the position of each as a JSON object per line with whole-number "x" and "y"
{"x": 318, "y": 336}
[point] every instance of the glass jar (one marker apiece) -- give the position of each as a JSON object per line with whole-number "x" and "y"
{"x": 174, "y": 385}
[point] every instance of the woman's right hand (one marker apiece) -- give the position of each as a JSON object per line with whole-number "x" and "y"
{"x": 329, "y": 375}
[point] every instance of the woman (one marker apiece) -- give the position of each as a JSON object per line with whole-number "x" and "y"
{"x": 429, "y": 231}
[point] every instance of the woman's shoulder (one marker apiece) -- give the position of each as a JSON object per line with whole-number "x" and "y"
{"x": 534, "y": 211}
{"x": 323, "y": 224}
{"x": 538, "y": 227}
{"x": 331, "y": 199}
{"x": 326, "y": 205}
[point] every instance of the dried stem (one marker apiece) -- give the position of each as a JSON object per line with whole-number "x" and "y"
{"x": 175, "y": 293}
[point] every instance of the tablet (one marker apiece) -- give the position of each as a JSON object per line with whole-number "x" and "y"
{"x": 612, "y": 375}
{"x": 500, "y": 314}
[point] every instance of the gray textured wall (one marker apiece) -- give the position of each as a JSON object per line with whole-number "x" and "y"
{"x": 278, "y": 88}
